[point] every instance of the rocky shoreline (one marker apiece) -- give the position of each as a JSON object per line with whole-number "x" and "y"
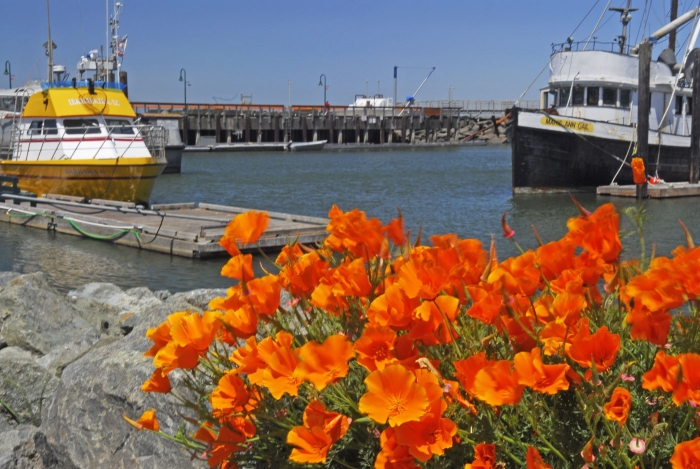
{"x": 71, "y": 364}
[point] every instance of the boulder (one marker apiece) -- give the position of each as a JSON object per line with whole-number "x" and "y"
{"x": 85, "y": 416}
{"x": 25, "y": 387}
{"x": 35, "y": 317}
{"x": 26, "y": 447}
{"x": 200, "y": 298}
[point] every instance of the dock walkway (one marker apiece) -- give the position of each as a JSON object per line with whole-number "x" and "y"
{"x": 183, "y": 229}
{"x": 654, "y": 191}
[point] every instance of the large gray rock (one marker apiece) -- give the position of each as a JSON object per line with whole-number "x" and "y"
{"x": 7, "y": 277}
{"x": 25, "y": 387}
{"x": 35, "y": 317}
{"x": 200, "y": 298}
{"x": 85, "y": 416}
{"x": 26, "y": 447}
{"x": 133, "y": 300}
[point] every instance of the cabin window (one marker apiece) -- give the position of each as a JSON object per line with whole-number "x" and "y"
{"x": 679, "y": 104}
{"x": 119, "y": 126}
{"x": 609, "y": 96}
{"x": 564, "y": 97}
{"x": 50, "y": 127}
{"x": 35, "y": 128}
{"x": 81, "y": 126}
{"x": 592, "y": 96}
{"x": 7, "y": 104}
{"x": 578, "y": 96}
{"x": 625, "y": 98}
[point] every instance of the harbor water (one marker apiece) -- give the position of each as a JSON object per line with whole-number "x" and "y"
{"x": 462, "y": 190}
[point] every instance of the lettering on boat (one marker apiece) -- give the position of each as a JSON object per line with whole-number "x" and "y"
{"x": 101, "y": 101}
{"x": 84, "y": 172}
{"x": 573, "y": 125}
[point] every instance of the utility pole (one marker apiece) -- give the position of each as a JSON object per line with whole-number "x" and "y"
{"x": 643, "y": 109}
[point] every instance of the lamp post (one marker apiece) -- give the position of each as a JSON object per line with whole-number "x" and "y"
{"x": 378, "y": 87}
{"x": 367, "y": 88}
{"x": 8, "y": 71}
{"x": 322, "y": 82}
{"x": 449, "y": 93}
{"x": 289, "y": 90}
{"x": 185, "y": 123}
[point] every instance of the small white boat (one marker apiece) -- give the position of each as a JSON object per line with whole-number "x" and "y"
{"x": 307, "y": 146}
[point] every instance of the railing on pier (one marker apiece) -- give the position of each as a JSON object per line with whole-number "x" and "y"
{"x": 142, "y": 108}
{"x": 470, "y": 106}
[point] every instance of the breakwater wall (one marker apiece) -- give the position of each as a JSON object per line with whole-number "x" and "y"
{"x": 335, "y": 124}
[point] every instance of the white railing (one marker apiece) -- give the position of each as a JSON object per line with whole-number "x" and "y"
{"x": 495, "y": 105}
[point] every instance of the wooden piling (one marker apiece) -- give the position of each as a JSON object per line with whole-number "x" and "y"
{"x": 694, "y": 162}
{"x": 331, "y": 126}
{"x": 643, "y": 109}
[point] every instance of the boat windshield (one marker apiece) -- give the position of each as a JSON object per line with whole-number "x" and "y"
{"x": 81, "y": 126}
{"x": 119, "y": 126}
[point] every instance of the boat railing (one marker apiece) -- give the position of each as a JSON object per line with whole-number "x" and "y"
{"x": 152, "y": 136}
{"x": 593, "y": 44}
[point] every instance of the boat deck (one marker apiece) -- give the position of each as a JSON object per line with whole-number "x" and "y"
{"x": 183, "y": 229}
{"x": 654, "y": 191}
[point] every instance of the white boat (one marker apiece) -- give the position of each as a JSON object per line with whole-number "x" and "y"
{"x": 79, "y": 137}
{"x": 585, "y": 133}
{"x": 307, "y": 146}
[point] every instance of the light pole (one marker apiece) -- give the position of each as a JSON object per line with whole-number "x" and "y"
{"x": 8, "y": 71}
{"x": 289, "y": 88}
{"x": 449, "y": 95}
{"x": 185, "y": 84}
{"x": 185, "y": 123}
{"x": 322, "y": 82}
{"x": 378, "y": 87}
{"x": 367, "y": 88}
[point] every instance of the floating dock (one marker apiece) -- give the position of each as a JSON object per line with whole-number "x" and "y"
{"x": 183, "y": 229}
{"x": 664, "y": 190}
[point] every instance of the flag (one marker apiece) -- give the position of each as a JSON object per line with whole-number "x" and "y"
{"x": 121, "y": 46}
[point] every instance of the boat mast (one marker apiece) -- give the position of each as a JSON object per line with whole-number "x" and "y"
{"x": 49, "y": 44}
{"x": 625, "y": 18}
{"x": 672, "y": 34}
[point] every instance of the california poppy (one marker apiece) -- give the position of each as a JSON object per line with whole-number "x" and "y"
{"x": 147, "y": 421}
{"x": 158, "y": 382}
{"x": 497, "y": 384}
{"x": 534, "y": 460}
{"x": 247, "y": 227}
{"x": 239, "y": 267}
{"x": 638, "y": 170}
{"x": 229, "y": 396}
{"x": 325, "y": 363}
{"x": 600, "y": 348}
{"x": 375, "y": 348}
{"x": 334, "y": 424}
{"x": 392, "y": 454}
{"x": 310, "y": 445}
{"x": 618, "y": 407}
{"x": 547, "y": 379}
{"x": 393, "y": 395}
{"x": 688, "y": 388}
{"x": 686, "y": 455}
{"x": 484, "y": 457}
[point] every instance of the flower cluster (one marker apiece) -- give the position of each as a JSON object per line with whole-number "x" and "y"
{"x": 373, "y": 350}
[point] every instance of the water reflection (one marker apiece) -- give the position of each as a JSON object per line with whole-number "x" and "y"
{"x": 457, "y": 190}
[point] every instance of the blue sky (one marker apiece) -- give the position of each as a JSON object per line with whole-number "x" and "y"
{"x": 490, "y": 49}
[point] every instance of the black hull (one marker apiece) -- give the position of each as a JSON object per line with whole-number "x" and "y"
{"x": 546, "y": 160}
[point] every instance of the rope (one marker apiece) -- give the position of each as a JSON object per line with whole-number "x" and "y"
{"x": 20, "y": 214}
{"x": 605, "y": 10}
{"x": 116, "y": 235}
{"x": 632, "y": 142}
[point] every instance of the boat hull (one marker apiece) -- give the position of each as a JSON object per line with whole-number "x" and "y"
{"x": 122, "y": 179}
{"x": 557, "y": 159}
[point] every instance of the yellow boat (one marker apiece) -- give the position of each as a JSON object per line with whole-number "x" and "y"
{"x": 79, "y": 139}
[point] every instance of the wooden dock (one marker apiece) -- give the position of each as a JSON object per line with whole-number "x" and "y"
{"x": 654, "y": 191}
{"x": 183, "y": 229}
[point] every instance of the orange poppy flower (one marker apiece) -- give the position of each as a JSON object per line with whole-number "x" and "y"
{"x": 239, "y": 267}
{"x": 686, "y": 455}
{"x": 282, "y": 375}
{"x": 487, "y": 302}
{"x": 600, "y": 347}
{"x": 354, "y": 233}
{"x": 375, "y": 348}
{"x": 484, "y": 457}
{"x": 497, "y": 384}
{"x": 664, "y": 373}
{"x": 547, "y": 379}
{"x": 618, "y": 408}
{"x": 248, "y": 361}
{"x": 555, "y": 257}
{"x": 395, "y": 230}
{"x": 303, "y": 274}
{"x": 466, "y": 370}
{"x": 393, "y": 455}
{"x": 597, "y": 233}
{"x": 227, "y": 442}
{"x": 334, "y": 424}
{"x": 567, "y": 307}
{"x": 196, "y": 331}
{"x": 392, "y": 309}
{"x": 638, "y": 171}
{"x": 348, "y": 279}
{"x": 431, "y": 435}
{"x": 147, "y": 421}
{"x": 247, "y": 227}
{"x": 325, "y": 363}
{"x": 230, "y": 395}
{"x": 652, "y": 327}
{"x": 688, "y": 387}
{"x": 311, "y": 446}
{"x": 242, "y": 321}
{"x": 393, "y": 395}
{"x": 534, "y": 460}
{"x": 160, "y": 336}
{"x": 519, "y": 275}
{"x": 158, "y": 382}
